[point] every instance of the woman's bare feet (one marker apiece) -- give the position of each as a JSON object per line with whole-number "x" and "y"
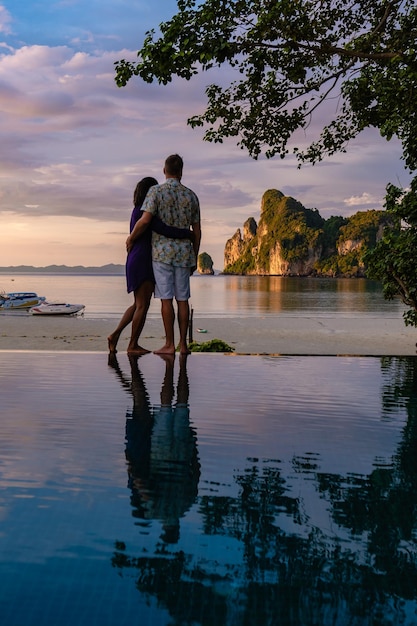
{"x": 112, "y": 342}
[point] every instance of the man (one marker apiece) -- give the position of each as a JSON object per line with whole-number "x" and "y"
{"x": 173, "y": 260}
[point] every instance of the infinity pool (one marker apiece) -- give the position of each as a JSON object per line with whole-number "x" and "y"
{"x": 216, "y": 490}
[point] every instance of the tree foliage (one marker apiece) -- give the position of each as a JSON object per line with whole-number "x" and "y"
{"x": 364, "y": 225}
{"x": 285, "y": 58}
{"x": 393, "y": 260}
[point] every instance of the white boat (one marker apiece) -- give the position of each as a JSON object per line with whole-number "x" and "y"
{"x": 56, "y": 308}
{"x": 19, "y": 300}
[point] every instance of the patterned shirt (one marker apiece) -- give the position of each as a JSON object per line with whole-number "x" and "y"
{"x": 176, "y": 205}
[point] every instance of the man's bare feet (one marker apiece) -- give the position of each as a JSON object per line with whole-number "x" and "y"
{"x": 137, "y": 350}
{"x": 165, "y": 350}
{"x": 184, "y": 349}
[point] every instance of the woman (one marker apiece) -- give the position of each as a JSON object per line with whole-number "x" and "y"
{"x": 139, "y": 274}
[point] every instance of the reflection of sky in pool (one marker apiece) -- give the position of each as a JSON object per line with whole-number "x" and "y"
{"x": 273, "y": 491}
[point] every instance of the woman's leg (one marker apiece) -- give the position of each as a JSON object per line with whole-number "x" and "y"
{"x": 113, "y": 338}
{"x": 143, "y": 297}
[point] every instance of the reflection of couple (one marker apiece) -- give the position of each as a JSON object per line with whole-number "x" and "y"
{"x": 161, "y": 447}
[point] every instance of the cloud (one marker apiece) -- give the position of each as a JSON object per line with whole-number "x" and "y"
{"x": 365, "y": 199}
{"x": 227, "y": 195}
{"x": 5, "y": 21}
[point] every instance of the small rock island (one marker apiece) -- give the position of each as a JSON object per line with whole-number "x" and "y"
{"x": 205, "y": 264}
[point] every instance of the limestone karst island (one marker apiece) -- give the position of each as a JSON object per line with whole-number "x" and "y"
{"x": 291, "y": 240}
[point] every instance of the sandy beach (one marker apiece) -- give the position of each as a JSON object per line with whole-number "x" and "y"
{"x": 270, "y": 335}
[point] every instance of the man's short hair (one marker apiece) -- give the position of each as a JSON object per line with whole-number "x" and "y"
{"x": 174, "y": 165}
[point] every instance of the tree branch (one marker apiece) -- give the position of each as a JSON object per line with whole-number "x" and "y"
{"x": 330, "y": 50}
{"x": 369, "y": 56}
{"x": 389, "y": 9}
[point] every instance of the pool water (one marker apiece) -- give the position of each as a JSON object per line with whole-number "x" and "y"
{"x": 213, "y": 490}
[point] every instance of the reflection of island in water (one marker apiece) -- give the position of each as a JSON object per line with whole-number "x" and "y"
{"x": 161, "y": 449}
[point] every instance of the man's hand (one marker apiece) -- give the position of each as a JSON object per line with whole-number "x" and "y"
{"x": 129, "y": 244}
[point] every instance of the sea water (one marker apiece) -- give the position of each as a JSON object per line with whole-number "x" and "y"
{"x": 105, "y": 297}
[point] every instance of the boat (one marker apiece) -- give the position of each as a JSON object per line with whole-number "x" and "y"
{"x": 19, "y": 300}
{"x": 56, "y": 308}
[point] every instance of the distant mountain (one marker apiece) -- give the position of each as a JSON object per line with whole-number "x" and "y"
{"x": 110, "y": 268}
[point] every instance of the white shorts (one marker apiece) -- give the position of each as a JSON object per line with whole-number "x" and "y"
{"x": 171, "y": 281}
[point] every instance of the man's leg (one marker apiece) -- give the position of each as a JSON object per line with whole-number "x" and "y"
{"x": 168, "y": 318}
{"x": 164, "y": 290}
{"x": 183, "y": 323}
{"x": 182, "y": 295}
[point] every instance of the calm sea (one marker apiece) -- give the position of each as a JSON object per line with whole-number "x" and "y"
{"x": 105, "y": 297}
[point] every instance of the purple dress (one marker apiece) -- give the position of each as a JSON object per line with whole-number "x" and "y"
{"x": 139, "y": 259}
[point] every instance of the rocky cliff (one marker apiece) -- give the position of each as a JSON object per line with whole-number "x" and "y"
{"x": 291, "y": 240}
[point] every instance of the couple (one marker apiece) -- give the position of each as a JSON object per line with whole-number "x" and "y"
{"x": 162, "y": 254}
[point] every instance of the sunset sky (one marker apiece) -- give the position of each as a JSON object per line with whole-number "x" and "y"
{"x": 73, "y": 145}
